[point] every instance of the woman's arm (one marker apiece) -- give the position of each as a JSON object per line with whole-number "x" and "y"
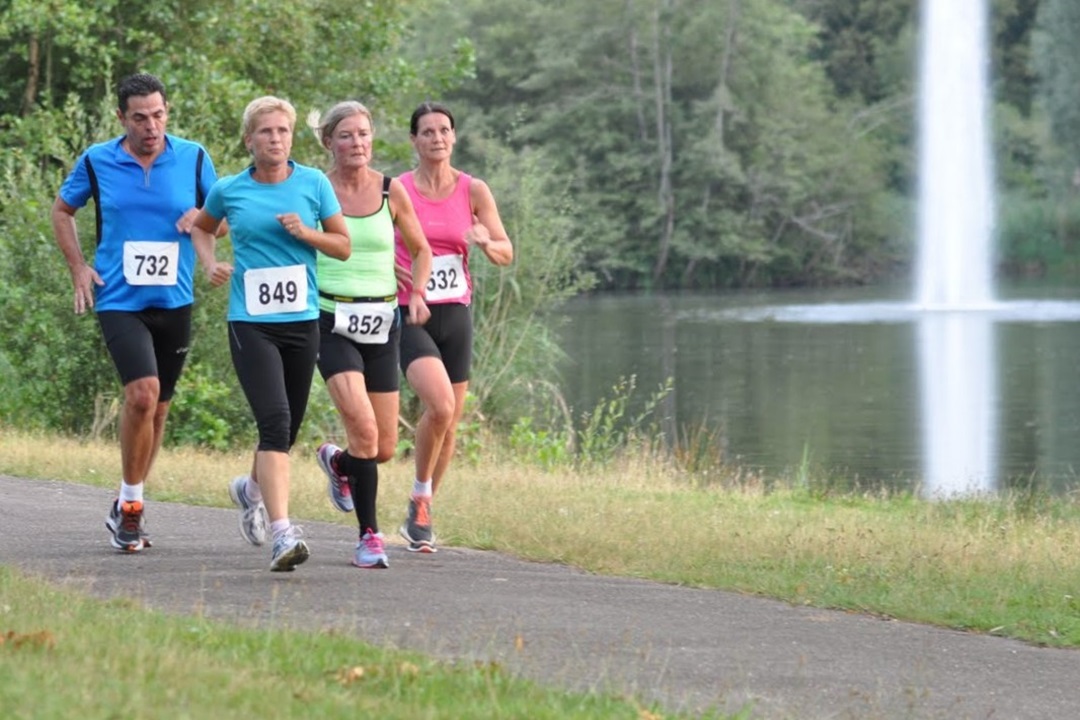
{"x": 488, "y": 232}
{"x": 204, "y": 234}
{"x": 332, "y": 240}
{"x": 404, "y": 214}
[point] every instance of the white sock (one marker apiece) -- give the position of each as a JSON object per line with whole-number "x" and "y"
{"x": 252, "y": 490}
{"x": 421, "y": 488}
{"x": 278, "y": 527}
{"x": 131, "y": 493}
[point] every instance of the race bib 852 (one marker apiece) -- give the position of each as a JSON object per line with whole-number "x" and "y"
{"x": 367, "y": 323}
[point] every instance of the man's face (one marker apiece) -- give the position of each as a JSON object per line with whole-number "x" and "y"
{"x": 144, "y": 122}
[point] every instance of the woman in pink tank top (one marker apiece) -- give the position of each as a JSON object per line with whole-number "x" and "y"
{"x": 456, "y": 212}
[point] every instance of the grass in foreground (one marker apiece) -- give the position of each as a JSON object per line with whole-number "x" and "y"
{"x": 64, "y": 655}
{"x": 1006, "y": 566}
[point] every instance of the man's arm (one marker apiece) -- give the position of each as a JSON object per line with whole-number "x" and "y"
{"x": 83, "y": 277}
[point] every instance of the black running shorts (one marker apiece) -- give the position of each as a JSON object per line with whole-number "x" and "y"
{"x": 274, "y": 363}
{"x": 447, "y": 335}
{"x": 148, "y": 343}
{"x": 377, "y": 363}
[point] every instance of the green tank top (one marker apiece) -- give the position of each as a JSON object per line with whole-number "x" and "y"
{"x": 369, "y": 271}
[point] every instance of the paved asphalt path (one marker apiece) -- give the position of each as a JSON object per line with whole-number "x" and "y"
{"x": 690, "y": 649}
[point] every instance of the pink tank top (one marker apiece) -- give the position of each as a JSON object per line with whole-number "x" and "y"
{"x": 444, "y": 223}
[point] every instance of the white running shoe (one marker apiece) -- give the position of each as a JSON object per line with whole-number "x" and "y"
{"x": 371, "y": 552}
{"x": 289, "y": 550}
{"x": 253, "y": 517}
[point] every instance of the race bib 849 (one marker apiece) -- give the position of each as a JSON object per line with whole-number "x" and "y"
{"x": 276, "y": 290}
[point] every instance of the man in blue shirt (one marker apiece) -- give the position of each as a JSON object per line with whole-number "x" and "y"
{"x": 147, "y": 187}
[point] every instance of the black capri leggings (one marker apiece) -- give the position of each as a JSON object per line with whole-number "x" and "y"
{"x": 275, "y": 363}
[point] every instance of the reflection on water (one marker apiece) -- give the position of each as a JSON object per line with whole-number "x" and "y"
{"x": 859, "y": 389}
{"x": 1040, "y": 311}
{"x": 958, "y": 393}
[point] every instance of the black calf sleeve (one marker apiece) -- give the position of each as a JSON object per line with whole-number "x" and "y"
{"x": 363, "y": 474}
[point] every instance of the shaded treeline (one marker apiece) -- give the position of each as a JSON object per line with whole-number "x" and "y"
{"x": 729, "y": 143}
{"x": 630, "y": 143}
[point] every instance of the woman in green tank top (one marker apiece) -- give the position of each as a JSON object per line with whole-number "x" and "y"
{"x": 360, "y": 322}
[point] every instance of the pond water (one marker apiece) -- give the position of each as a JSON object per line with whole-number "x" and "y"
{"x": 852, "y": 385}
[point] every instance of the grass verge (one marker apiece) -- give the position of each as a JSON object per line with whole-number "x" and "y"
{"x": 1004, "y": 565}
{"x": 64, "y": 655}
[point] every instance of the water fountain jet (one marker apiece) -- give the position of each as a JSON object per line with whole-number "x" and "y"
{"x": 955, "y": 231}
{"x": 953, "y": 306}
{"x": 955, "y": 209}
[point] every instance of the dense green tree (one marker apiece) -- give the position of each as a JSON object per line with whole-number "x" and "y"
{"x": 1013, "y": 71}
{"x": 214, "y": 57}
{"x": 864, "y": 46}
{"x": 858, "y": 42}
{"x": 1057, "y": 61}
{"x": 62, "y": 61}
{"x": 701, "y": 138}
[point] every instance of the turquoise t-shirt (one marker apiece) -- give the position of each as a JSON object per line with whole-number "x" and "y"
{"x": 274, "y": 273}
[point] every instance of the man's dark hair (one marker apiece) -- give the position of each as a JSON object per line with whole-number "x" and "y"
{"x": 424, "y": 109}
{"x": 139, "y": 85}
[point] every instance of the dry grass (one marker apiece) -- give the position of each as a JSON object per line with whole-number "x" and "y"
{"x": 1005, "y": 565}
{"x": 180, "y": 474}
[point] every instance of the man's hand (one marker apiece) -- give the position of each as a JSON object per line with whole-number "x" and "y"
{"x": 187, "y": 220}
{"x": 83, "y": 279}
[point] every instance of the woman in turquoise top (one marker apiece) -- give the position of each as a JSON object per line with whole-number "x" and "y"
{"x": 360, "y": 323}
{"x": 275, "y": 210}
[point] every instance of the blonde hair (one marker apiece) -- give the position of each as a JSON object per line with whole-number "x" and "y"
{"x": 339, "y": 112}
{"x": 267, "y": 104}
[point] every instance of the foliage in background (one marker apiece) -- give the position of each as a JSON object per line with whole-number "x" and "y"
{"x": 620, "y": 424}
{"x": 205, "y": 411}
{"x": 1057, "y": 60}
{"x": 1040, "y": 236}
{"x": 703, "y": 141}
{"x": 56, "y": 370}
{"x": 216, "y": 56}
{"x": 723, "y": 143}
{"x": 62, "y": 62}
{"x": 630, "y": 144}
{"x": 516, "y": 348}
{"x": 611, "y": 426}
